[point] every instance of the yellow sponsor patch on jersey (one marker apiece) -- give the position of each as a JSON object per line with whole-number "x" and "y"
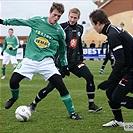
{"x": 9, "y": 46}
{"x": 42, "y": 42}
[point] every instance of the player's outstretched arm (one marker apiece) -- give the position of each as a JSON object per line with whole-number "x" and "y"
{"x": 20, "y": 22}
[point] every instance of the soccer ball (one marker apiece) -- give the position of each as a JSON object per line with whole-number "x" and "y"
{"x": 23, "y": 113}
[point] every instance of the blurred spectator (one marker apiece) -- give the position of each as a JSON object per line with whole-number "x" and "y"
{"x": 84, "y": 44}
{"x": 99, "y": 46}
{"x": 1, "y": 45}
{"x": 24, "y": 46}
{"x": 92, "y": 45}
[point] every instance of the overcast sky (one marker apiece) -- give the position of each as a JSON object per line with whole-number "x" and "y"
{"x": 25, "y": 9}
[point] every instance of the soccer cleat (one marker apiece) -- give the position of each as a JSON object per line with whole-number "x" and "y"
{"x": 3, "y": 77}
{"x": 75, "y": 116}
{"x": 32, "y": 107}
{"x": 114, "y": 123}
{"x": 101, "y": 71}
{"x": 10, "y": 102}
{"x": 94, "y": 108}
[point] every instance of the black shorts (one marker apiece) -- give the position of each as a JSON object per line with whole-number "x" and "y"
{"x": 121, "y": 88}
{"x": 126, "y": 82}
{"x": 80, "y": 70}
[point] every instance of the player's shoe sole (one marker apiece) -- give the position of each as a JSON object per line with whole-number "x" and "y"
{"x": 3, "y": 77}
{"x": 114, "y": 123}
{"x": 96, "y": 110}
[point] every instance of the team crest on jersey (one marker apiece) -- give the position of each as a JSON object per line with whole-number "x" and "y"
{"x": 73, "y": 43}
{"x": 42, "y": 42}
{"x": 79, "y": 34}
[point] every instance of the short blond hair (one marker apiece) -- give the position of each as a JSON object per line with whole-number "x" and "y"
{"x": 75, "y": 10}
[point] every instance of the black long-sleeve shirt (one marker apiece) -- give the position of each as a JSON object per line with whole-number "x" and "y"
{"x": 73, "y": 42}
{"x": 121, "y": 43}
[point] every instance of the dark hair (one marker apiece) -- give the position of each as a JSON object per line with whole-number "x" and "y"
{"x": 99, "y": 15}
{"x": 58, "y": 6}
{"x": 10, "y": 29}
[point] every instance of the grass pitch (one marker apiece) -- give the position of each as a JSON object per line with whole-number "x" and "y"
{"x": 51, "y": 115}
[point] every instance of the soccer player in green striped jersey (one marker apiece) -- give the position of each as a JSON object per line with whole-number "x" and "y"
{"x": 9, "y": 51}
{"x": 46, "y": 38}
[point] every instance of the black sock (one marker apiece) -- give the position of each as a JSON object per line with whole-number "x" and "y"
{"x": 103, "y": 66}
{"x": 37, "y": 100}
{"x": 118, "y": 114}
{"x": 90, "y": 98}
{"x": 116, "y": 109}
{"x": 90, "y": 93}
{"x": 43, "y": 93}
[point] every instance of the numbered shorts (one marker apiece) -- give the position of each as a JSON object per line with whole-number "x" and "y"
{"x": 28, "y": 67}
{"x": 7, "y": 58}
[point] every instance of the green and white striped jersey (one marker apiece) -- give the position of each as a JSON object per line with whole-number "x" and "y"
{"x": 11, "y": 41}
{"x": 44, "y": 40}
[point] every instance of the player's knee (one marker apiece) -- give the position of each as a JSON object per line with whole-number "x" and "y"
{"x": 14, "y": 84}
{"x": 89, "y": 78}
{"x": 4, "y": 65}
{"x": 57, "y": 81}
{"x": 116, "y": 99}
{"x": 15, "y": 79}
{"x": 109, "y": 95}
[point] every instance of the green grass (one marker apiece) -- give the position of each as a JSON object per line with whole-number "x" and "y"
{"x": 51, "y": 115}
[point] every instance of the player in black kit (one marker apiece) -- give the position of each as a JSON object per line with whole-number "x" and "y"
{"x": 120, "y": 81}
{"x": 73, "y": 32}
{"x": 108, "y": 56}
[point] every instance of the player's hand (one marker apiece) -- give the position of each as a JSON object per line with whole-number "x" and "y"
{"x": 10, "y": 48}
{"x": 1, "y": 21}
{"x": 104, "y": 85}
{"x": 2, "y": 53}
{"x": 64, "y": 71}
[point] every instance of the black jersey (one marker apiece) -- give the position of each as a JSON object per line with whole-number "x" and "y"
{"x": 121, "y": 43}
{"x": 73, "y": 42}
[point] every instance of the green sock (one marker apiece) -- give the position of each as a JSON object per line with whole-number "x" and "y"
{"x": 68, "y": 103}
{"x": 3, "y": 70}
{"x": 15, "y": 93}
